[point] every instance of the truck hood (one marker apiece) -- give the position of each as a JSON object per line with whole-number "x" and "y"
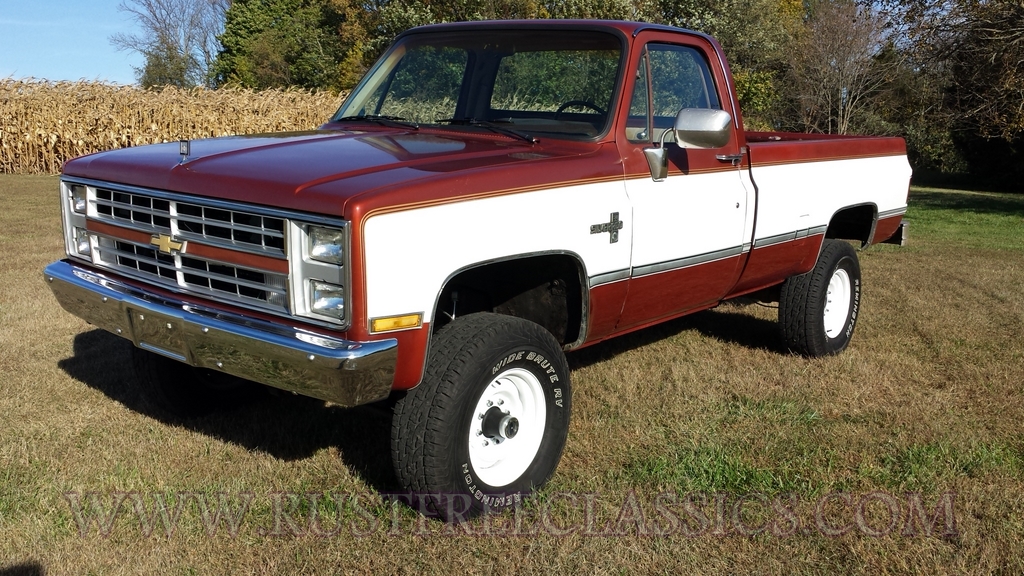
{"x": 316, "y": 171}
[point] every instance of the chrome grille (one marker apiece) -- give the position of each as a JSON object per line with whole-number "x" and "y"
{"x": 226, "y": 282}
{"x": 233, "y": 229}
{"x": 148, "y": 221}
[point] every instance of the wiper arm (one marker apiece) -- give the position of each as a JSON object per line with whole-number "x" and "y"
{"x": 389, "y": 121}
{"x": 493, "y": 127}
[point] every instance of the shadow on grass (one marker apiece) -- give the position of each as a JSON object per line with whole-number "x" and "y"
{"x": 723, "y": 323}
{"x": 280, "y": 424}
{"x": 291, "y": 427}
{"x": 23, "y": 569}
{"x": 965, "y": 202}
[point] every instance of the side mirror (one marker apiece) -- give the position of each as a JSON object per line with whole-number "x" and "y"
{"x": 693, "y": 128}
{"x": 702, "y": 128}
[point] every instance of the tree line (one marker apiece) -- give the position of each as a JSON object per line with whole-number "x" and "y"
{"x": 947, "y": 75}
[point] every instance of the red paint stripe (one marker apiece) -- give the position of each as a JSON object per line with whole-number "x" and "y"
{"x": 803, "y": 148}
{"x": 238, "y": 258}
{"x": 118, "y": 232}
{"x": 885, "y": 228}
{"x": 770, "y": 265}
{"x": 668, "y": 294}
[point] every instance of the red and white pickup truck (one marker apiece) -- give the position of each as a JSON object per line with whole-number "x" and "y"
{"x": 491, "y": 195}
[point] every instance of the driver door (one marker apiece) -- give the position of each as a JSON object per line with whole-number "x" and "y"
{"x": 688, "y": 230}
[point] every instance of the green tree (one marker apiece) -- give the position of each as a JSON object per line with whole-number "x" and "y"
{"x": 970, "y": 54}
{"x": 278, "y": 43}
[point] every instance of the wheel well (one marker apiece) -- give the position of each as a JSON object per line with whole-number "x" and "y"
{"x": 853, "y": 223}
{"x": 546, "y": 289}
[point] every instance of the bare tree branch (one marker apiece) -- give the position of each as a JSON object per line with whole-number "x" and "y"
{"x": 178, "y": 38}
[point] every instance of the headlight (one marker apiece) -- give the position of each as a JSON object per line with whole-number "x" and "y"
{"x": 327, "y": 245}
{"x": 328, "y": 299}
{"x": 82, "y": 242}
{"x": 79, "y": 198}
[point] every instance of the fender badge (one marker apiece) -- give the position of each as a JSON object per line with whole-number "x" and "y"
{"x": 167, "y": 245}
{"x": 612, "y": 228}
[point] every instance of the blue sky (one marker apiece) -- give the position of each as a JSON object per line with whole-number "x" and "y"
{"x": 65, "y": 40}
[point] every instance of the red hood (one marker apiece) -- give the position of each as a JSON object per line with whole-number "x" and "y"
{"x": 315, "y": 171}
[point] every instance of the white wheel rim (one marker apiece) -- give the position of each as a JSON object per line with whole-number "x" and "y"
{"x": 837, "y": 303}
{"x": 499, "y": 461}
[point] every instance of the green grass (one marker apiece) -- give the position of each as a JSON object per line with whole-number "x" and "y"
{"x": 928, "y": 399}
{"x": 929, "y": 467}
{"x": 968, "y": 219}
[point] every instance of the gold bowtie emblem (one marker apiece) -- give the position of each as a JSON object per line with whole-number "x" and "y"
{"x": 167, "y": 245}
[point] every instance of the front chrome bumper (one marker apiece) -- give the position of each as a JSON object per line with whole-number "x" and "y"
{"x": 340, "y": 371}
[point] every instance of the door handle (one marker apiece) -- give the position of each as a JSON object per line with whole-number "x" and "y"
{"x": 733, "y": 159}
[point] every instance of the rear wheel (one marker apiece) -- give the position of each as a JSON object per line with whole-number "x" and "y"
{"x": 818, "y": 310}
{"x": 487, "y": 425}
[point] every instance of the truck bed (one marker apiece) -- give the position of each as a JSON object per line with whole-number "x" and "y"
{"x": 784, "y": 147}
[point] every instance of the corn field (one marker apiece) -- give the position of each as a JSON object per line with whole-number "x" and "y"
{"x": 43, "y": 124}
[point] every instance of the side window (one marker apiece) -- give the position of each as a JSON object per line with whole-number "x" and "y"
{"x": 679, "y": 78}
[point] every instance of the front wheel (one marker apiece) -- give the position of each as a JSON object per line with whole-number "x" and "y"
{"x": 487, "y": 425}
{"x": 818, "y": 310}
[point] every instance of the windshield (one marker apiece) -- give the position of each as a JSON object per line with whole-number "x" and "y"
{"x": 534, "y": 82}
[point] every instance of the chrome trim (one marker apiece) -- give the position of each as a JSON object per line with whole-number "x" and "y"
{"x": 211, "y": 202}
{"x": 108, "y": 258}
{"x": 292, "y": 235}
{"x": 893, "y": 212}
{"x": 609, "y": 277}
{"x": 178, "y": 219}
{"x": 789, "y": 236}
{"x": 294, "y": 359}
{"x": 666, "y": 266}
{"x": 304, "y": 270}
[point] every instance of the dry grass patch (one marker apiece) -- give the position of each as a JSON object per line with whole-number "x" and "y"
{"x": 705, "y": 409}
{"x": 44, "y": 124}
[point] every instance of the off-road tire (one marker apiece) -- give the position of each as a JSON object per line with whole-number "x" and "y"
{"x": 811, "y": 305}
{"x": 472, "y": 359}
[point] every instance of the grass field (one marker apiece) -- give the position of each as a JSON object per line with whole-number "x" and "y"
{"x": 696, "y": 446}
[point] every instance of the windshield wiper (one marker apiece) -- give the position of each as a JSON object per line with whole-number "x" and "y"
{"x": 389, "y": 121}
{"x": 493, "y": 127}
